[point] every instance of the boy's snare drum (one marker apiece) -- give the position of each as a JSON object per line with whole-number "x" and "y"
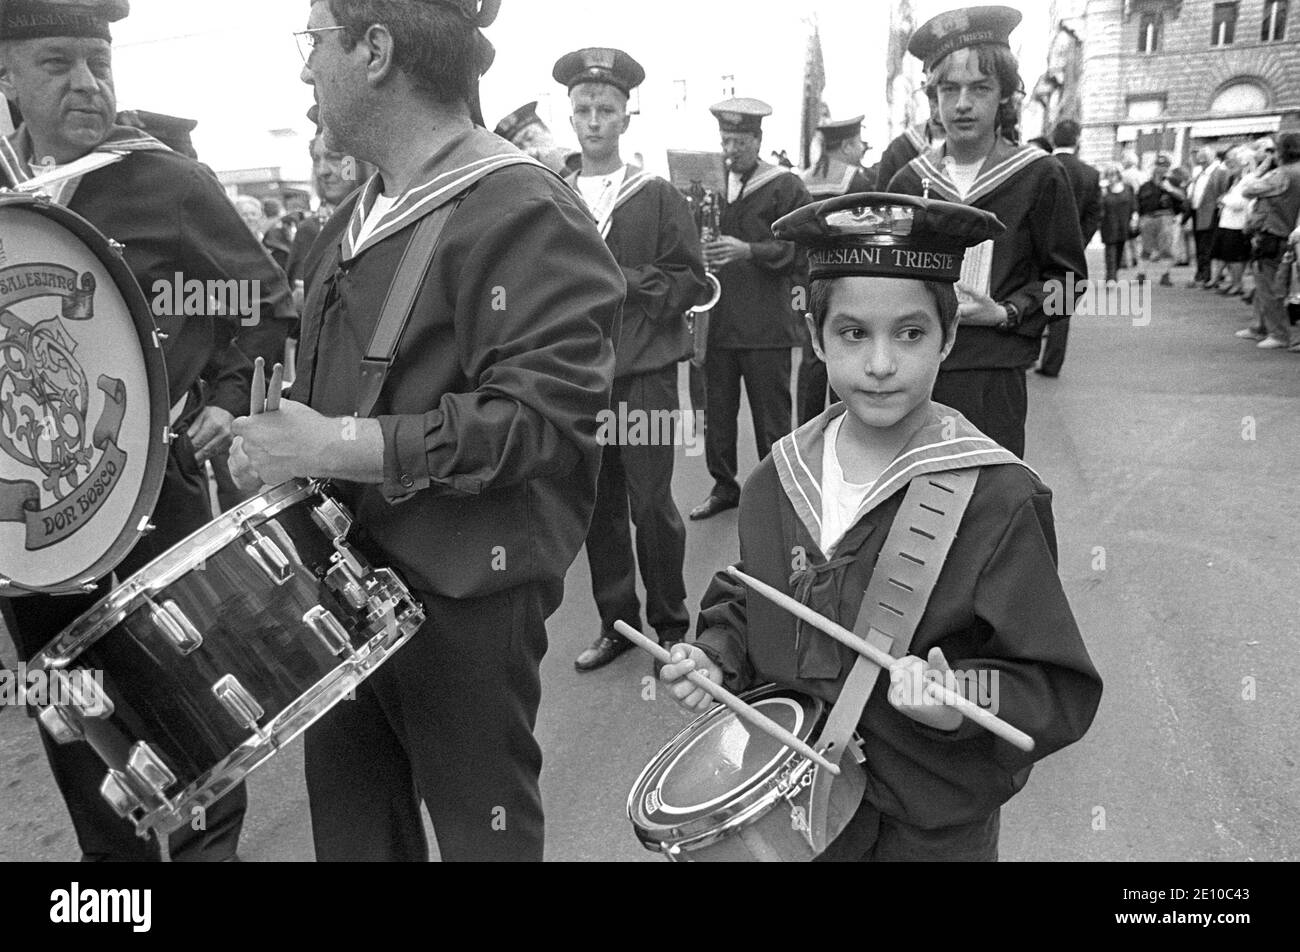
{"x": 204, "y": 664}
{"x": 721, "y": 791}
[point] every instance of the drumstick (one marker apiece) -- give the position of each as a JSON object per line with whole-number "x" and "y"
{"x": 257, "y": 393}
{"x": 985, "y": 719}
{"x": 275, "y": 389}
{"x": 723, "y": 696}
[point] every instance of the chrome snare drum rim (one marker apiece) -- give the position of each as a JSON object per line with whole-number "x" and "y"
{"x": 745, "y": 803}
{"x": 155, "y": 433}
{"x": 167, "y": 568}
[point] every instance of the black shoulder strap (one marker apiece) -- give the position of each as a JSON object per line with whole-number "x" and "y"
{"x": 399, "y": 304}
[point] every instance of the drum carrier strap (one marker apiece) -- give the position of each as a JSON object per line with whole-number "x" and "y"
{"x": 901, "y": 584}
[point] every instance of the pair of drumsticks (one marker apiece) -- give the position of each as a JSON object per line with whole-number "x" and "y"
{"x": 263, "y": 398}
{"x": 934, "y": 691}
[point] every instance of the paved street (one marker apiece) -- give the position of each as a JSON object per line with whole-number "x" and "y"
{"x": 1172, "y": 450}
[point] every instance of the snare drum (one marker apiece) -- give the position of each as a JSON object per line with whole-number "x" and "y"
{"x": 204, "y": 664}
{"x": 721, "y": 791}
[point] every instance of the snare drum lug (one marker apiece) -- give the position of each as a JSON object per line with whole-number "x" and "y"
{"x": 234, "y": 697}
{"x": 343, "y": 580}
{"x": 333, "y": 518}
{"x": 328, "y": 629}
{"x": 176, "y": 625}
{"x": 269, "y": 559}
{"x": 116, "y": 789}
{"x": 168, "y": 435}
{"x": 146, "y": 526}
{"x": 60, "y": 726}
{"x": 149, "y": 769}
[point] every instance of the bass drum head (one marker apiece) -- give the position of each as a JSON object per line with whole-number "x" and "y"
{"x": 718, "y": 765}
{"x": 83, "y": 402}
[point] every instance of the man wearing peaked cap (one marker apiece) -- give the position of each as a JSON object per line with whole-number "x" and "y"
{"x": 753, "y": 327}
{"x": 467, "y": 450}
{"x": 173, "y": 218}
{"x": 838, "y": 171}
{"x": 1005, "y": 301}
{"x": 649, "y": 229}
{"x": 525, "y": 129}
{"x": 841, "y": 491}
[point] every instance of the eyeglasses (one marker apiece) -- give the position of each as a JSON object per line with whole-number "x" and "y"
{"x": 307, "y": 39}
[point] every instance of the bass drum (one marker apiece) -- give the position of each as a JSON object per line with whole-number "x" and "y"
{"x": 209, "y": 660}
{"x": 83, "y": 402}
{"x": 721, "y": 791}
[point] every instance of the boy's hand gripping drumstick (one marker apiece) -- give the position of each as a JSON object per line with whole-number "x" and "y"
{"x": 261, "y": 397}
{"x": 723, "y": 696}
{"x": 983, "y": 718}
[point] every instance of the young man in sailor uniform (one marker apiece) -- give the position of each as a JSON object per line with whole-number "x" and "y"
{"x": 969, "y": 61}
{"x": 473, "y": 472}
{"x": 648, "y": 227}
{"x": 838, "y": 172}
{"x": 754, "y": 326}
{"x": 884, "y": 316}
{"x": 172, "y": 217}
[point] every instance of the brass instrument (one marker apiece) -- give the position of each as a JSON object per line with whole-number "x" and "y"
{"x": 706, "y": 206}
{"x": 701, "y": 177}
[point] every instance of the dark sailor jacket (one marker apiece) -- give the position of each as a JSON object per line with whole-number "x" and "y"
{"x": 998, "y": 607}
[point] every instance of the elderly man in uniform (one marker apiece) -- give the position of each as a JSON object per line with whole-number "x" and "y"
{"x": 756, "y": 324}
{"x": 837, "y": 172}
{"x": 648, "y": 227}
{"x": 172, "y": 217}
{"x": 472, "y": 466}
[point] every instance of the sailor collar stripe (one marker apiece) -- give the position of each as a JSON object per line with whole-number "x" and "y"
{"x": 797, "y": 458}
{"x": 421, "y": 200}
{"x": 988, "y": 181}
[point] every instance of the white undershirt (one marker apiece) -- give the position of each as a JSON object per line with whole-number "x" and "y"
{"x": 962, "y": 176}
{"x": 841, "y": 500}
{"x": 599, "y": 191}
{"x": 382, "y": 207}
{"x": 735, "y": 185}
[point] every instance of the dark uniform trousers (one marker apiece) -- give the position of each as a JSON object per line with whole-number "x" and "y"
{"x": 995, "y": 400}
{"x": 1056, "y": 339}
{"x": 766, "y": 374}
{"x": 448, "y": 720}
{"x": 871, "y": 837}
{"x": 35, "y": 621}
{"x": 640, "y": 478}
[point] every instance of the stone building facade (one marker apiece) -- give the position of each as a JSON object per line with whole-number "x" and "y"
{"x": 1173, "y": 75}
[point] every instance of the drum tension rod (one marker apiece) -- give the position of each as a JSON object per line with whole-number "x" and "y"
{"x": 268, "y": 557}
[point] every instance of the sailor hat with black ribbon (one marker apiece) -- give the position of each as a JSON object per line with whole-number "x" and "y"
{"x": 833, "y": 133}
{"x": 519, "y": 120}
{"x": 599, "y": 64}
{"x": 958, "y": 29}
{"x": 884, "y": 235}
{"x": 37, "y": 19}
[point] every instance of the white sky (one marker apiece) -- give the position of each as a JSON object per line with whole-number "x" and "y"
{"x": 239, "y": 76}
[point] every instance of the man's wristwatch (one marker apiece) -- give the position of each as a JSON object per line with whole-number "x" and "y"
{"x": 1013, "y": 316}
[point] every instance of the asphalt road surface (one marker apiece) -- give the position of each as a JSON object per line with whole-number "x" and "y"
{"x": 1172, "y": 449}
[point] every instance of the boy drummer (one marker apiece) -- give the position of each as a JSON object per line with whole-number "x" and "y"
{"x": 884, "y": 315}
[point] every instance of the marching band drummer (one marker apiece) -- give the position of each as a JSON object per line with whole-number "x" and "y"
{"x": 884, "y": 316}
{"x": 172, "y": 217}
{"x": 648, "y": 227}
{"x": 473, "y": 470}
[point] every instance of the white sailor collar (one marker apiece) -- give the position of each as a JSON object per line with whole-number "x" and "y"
{"x": 1004, "y": 162}
{"x": 458, "y": 165}
{"x": 947, "y": 441}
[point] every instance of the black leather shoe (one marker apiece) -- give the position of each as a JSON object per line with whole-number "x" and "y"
{"x": 1045, "y": 373}
{"x": 603, "y": 650}
{"x": 711, "y": 507}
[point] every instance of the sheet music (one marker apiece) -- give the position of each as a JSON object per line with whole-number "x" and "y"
{"x": 977, "y": 272}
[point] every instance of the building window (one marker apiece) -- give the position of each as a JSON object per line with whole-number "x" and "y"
{"x": 1240, "y": 97}
{"x": 1274, "y": 27}
{"x": 1145, "y": 108}
{"x": 1149, "y": 33}
{"x": 1225, "y": 24}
